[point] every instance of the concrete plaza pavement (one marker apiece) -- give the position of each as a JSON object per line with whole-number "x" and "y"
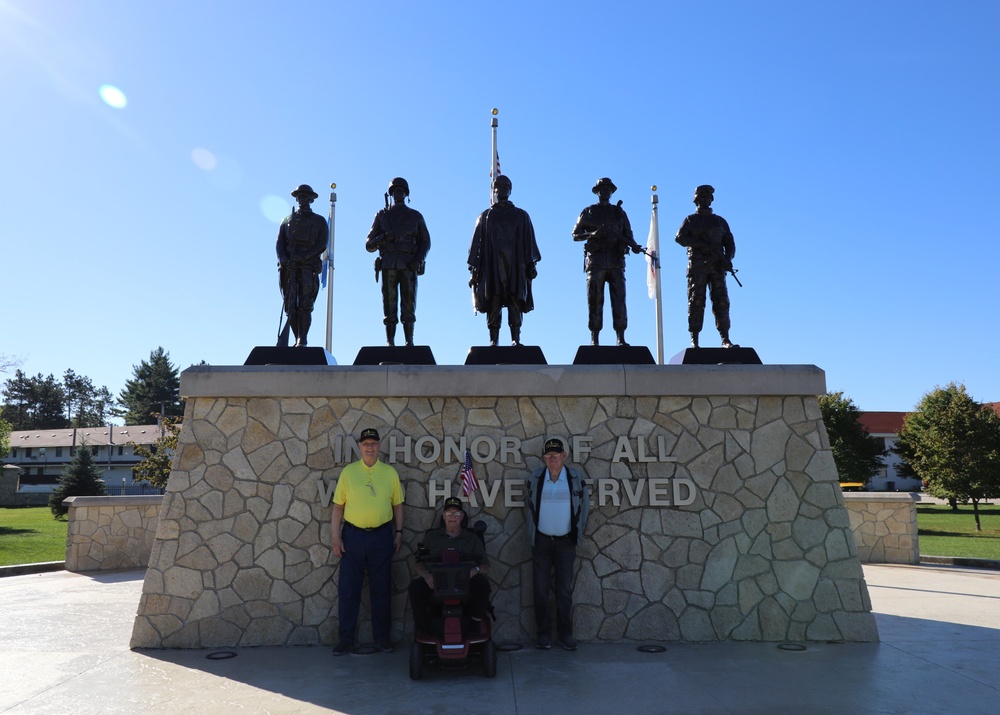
{"x": 64, "y": 649}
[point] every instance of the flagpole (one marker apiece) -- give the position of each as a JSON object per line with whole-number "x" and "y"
{"x": 495, "y": 159}
{"x": 655, "y": 230}
{"x": 328, "y": 265}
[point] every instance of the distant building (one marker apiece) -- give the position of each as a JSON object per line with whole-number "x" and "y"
{"x": 886, "y": 426}
{"x": 42, "y": 455}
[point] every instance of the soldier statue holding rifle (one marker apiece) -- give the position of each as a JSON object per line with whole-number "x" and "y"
{"x": 606, "y": 229}
{"x": 302, "y": 239}
{"x": 400, "y": 236}
{"x": 711, "y": 249}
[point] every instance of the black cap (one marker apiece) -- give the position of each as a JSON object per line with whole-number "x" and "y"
{"x": 554, "y": 445}
{"x": 305, "y": 189}
{"x": 453, "y": 503}
{"x": 370, "y": 433}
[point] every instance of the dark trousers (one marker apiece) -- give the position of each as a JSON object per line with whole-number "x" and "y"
{"x": 422, "y": 601}
{"x": 494, "y": 317}
{"x": 716, "y": 284}
{"x": 614, "y": 279}
{"x": 365, "y": 552}
{"x": 399, "y": 287}
{"x": 553, "y": 554}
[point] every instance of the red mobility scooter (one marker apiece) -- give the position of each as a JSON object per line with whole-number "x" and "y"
{"x": 452, "y": 636}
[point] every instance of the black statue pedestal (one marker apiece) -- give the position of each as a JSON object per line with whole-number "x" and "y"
{"x": 613, "y": 355}
{"x": 395, "y": 355}
{"x": 735, "y": 355}
{"x": 505, "y": 355}
{"x": 268, "y": 355}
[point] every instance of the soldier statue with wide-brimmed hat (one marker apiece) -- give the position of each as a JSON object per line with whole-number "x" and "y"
{"x": 608, "y": 235}
{"x": 302, "y": 238}
{"x": 400, "y": 236}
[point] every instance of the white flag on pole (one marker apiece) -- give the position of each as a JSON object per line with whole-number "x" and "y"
{"x": 652, "y": 249}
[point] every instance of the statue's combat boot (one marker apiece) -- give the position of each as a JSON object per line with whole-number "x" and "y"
{"x": 515, "y": 335}
{"x": 726, "y": 343}
{"x": 620, "y": 334}
{"x": 300, "y": 335}
{"x": 390, "y": 335}
{"x": 494, "y": 336}
{"x": 595, "y": 337}
{"x": 408, "y": 334}
{"x": 694, "y": 339}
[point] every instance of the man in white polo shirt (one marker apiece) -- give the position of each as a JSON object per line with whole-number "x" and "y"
{"x": 558, "y": 503}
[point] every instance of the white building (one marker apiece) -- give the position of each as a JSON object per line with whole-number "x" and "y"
{"x": 42, "y": 455}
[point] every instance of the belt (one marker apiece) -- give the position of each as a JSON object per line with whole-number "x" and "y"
{"x": 367, "y": 528}
{"x": 555, "y": 538}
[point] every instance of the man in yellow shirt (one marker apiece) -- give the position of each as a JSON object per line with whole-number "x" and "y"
{"x": 367, "y": 529}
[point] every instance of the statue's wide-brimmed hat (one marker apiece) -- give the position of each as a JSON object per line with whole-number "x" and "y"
{"x": 305, "y": 189}
{"x": 704, "y": 189}
{"x": 605, "y": 182}
{"x": 401, "y": 182}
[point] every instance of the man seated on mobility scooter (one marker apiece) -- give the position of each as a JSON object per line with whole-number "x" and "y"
{"x": 450, "y": 594}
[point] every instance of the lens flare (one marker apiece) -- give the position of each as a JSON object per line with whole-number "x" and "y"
{"x": 204, "y": 159}
{"x": 274, "y": 208}
{"x": 112, "y": 96}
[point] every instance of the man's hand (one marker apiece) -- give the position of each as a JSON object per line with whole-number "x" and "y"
{"x": 337, "y": 546}
{"x": 397, "y": 543}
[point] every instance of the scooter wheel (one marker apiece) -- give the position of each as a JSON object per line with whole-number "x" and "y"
{"x": 416, "y": 662}
{"x": 490, "y": 659}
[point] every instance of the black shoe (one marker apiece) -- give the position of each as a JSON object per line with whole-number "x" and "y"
{"x": 342, "y": 648}
{"x": 543, "y": 642}
{"x": 567, "y": 643}
{"x": 385, "y": 646}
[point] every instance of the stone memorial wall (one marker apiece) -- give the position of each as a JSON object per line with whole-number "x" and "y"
{"x": 716, "y": 511}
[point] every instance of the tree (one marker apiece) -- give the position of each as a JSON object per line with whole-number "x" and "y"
{"x": 154, "y": 389}
{"x": 5, "y": 431}
{"x": 46, "y": 403}
{"x": 157, "y": 460}
{"x": 952, "y": 443}
{"x": 81, "y": 478}
{"x": 34, "y": 402}
{"x": 857, "y": 454}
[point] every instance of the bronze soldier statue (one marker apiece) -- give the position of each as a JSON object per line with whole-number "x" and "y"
{"x": 608, "y": 234}
{"x": 502, "y": 260}
{"x": 711, "y": 249}
{"x": 302, "y": 238}
{"x": 400, "y": 236}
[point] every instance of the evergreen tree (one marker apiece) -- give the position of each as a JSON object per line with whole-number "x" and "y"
{"x": 34, "y": 402}
{"x": 158, "y": 458}
{"x": 154, "y": 389}
{"x": 81, "y": 478}
{"x": 952, "y": 443}
{"x": 5, "y": 431}
{"x": 857, "y": 454}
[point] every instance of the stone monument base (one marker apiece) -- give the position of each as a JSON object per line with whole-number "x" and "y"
{"x": 505, "y": 355}
{"x": 395, "y": 355}
{"x": 613, "y": 355}
{"x": 735, "y": 355}
{"x": 270, "y": 355}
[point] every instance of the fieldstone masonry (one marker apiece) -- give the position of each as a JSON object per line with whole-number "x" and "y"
{"x": 108, "y": 533}
{"x": 761, "y": 550}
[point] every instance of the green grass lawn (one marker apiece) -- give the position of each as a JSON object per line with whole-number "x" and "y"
{"x": 30, "y": 535}
{"x": 944, "y": 532}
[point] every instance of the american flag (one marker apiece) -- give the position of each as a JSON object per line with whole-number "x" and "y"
{"x": 469, "y": 482}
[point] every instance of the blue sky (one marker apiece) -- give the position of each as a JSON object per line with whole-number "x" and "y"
{"x": 853, "y": 147}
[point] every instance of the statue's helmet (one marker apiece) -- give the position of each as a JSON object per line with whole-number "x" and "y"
{"x": 503, "y": 179}
{"x": 305, "y": 189}
{"x": 705, "y": 189}
{"x": 401, "y": 183}
{"x": 602, "y": 183}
